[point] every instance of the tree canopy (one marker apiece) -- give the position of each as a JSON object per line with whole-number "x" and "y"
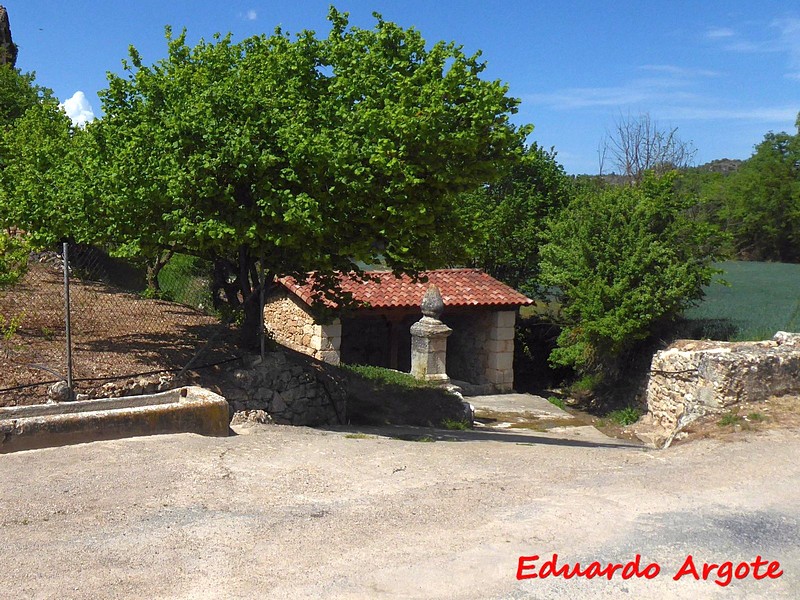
{"x": 312, "y": 153}
{"x": 508, "y": 217}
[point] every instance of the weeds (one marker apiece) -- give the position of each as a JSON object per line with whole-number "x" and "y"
{"x": 556, "y": 401}
{"x": 624, "y": 416}
{"x": 9, "y": 327}
{"x": 358, "y": 436}
{"x": 730, "y": 418}
{"x": 456, "y": 425}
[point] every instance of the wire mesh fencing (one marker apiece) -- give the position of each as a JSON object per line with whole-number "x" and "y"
{"x": 117, "y": 328}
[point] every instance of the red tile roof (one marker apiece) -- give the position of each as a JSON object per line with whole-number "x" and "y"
{"x": 459, "y": 287}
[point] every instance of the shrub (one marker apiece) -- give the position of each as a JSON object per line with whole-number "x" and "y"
{"x": 621, "y": 261}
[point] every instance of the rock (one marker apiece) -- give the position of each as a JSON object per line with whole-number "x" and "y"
{"x": 250, "y": 416}
{"x": 277, "y": 405}
{"x": 242, "y": 378}
{"x": 59, "y": 392}
{"x": 81, "y": 397}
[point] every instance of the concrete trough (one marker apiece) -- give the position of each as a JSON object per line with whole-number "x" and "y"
{"x": 186, "y": 410}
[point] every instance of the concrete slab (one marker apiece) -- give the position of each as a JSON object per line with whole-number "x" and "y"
{"x": 186, "y": 410}
{"x": 518, "y": 404}
{"x": 527, "y": 414}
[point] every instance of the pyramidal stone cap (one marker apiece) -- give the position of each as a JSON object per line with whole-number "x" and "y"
{"x": 432, "y": 304}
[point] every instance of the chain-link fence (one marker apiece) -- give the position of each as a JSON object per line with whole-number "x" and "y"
{"x": 99, "y": 324}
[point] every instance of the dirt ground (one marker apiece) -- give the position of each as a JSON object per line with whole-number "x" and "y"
{"x": 114, "y": 334}
{"x": 280, "y": 512}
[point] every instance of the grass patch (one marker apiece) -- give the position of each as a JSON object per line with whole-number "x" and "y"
{"x": 456, "y": 425}
{"x": 385, "y": 376}
{"x": 756, "y": 417}
{"x": 358, "y": 436}
{"x": 555, "y": 401}
{"x": 760, "y": 299}
{"x": 185, "y": 280}
{"x": 624, "y": 416}
{"x": 730, "y": 419}
{"x": 415, "y": 438}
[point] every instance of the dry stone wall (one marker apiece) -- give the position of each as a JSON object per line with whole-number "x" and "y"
{"x": 289, "y": 324}
{"x": 693, "y": 378}
{"x": 277, "y": 389}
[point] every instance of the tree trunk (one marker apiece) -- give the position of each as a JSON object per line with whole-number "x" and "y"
{"x": 250, "y": 301}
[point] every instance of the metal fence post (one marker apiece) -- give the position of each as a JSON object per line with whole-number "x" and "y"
{"x": 65, "y": 256}
{"x": 261, "y": 302}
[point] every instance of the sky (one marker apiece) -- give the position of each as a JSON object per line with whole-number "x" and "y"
{"x": 723, "y": 73}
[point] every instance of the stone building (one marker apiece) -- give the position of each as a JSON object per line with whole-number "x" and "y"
{"x": 480, "y": 310}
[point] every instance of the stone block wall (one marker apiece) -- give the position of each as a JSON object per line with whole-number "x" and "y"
{"x": 289, "y": 323}
{"x": 693, "y": 378}
{"x": 481, "y": 347}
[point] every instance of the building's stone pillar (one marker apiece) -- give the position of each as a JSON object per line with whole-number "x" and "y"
{"x": 326, "y": 342}
{"x": 429, "y": 340}
{"x": 500, "y": 350}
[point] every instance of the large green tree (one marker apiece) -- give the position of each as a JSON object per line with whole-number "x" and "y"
{"x": 18, "y": 94}
{"x": 312, "y": 153}
{"x": 505, "y": 220}
{"x": 620, "y": 261}
{"x": 759, "y": 205}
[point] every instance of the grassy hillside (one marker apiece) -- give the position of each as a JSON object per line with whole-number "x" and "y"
{"x": 762, "y": 298}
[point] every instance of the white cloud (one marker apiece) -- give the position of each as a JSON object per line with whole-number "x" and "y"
{"x": 78, "y": 109}
{"x": 251, "y": 15}
{"x": 790, "y": 38}
{"x": 679, "y": 71}
{"x": 760, "y": 115}
{"x": 716, "y": 33}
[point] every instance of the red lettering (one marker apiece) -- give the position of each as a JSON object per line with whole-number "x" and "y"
{"x": 771, "y": 570}
{"x": 725, "y": 571}
{"x": 526, "y": 563}
{"x": 594, "y": 570}
{"x": 707, "y": 568}
{"x": 549, "y": 568}
{"x": 758, "y": 562}
{"x": 611, "y": 569}
{"x": 739, "y": 574}
{"x": 632, "y": 569}
{"x": 687, "y": 568}
{"x": 652, "y": 570}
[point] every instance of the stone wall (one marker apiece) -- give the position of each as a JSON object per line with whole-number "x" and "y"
{"x": 693, "y": 378}
{"x": 288, "y": 322}
{"x": 481, "y": 347}
{"x": 285, "y": 391}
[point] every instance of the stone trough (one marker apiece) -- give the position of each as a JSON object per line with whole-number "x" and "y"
{"x": 185, "y": 410}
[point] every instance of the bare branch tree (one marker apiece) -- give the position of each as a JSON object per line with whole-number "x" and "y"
{"x": 639, "y": 144}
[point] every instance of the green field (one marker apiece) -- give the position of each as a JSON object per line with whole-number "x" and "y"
{"x": 762, "y": 298}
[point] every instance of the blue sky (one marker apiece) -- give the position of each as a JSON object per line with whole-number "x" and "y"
{"x": 723, "y": 73}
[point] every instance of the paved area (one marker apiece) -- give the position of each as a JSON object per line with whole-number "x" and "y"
{"x": 280, "y": 512}
{"x": 518, "y": 404}
{"x": 527, "y": 413}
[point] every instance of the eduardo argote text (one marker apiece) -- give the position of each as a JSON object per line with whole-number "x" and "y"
{"x": 531, "y": 567}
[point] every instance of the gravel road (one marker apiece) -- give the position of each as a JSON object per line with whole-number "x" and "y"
{"x": 280, "y": 512}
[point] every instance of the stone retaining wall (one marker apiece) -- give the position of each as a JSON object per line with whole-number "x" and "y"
{"x": 694, "y": 378}
{"x": 285, "y": 391}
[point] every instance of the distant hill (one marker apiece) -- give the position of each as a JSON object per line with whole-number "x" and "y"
{"x": 721, "y": 165}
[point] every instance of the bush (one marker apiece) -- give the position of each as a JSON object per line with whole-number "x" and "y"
{"x": 622, "y": 261}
